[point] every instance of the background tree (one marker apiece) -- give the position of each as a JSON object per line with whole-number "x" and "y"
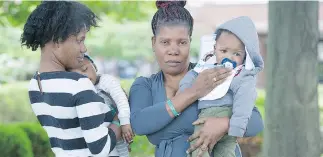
{"x": 292, "y": 114}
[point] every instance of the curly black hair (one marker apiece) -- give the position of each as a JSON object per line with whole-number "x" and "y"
{"x": 171, "y": 13}
{"x": 56, "y": 21}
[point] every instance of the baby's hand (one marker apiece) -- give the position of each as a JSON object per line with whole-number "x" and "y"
{"x": 127, "y": 133}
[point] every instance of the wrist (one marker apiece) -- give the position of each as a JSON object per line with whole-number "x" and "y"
{"x": 124, "y": 120}
{"x": 115, "y": 123}
{"x": 193, "y": 93}
{"x": 172, "y": 108}
{"x": 116, "y": 130}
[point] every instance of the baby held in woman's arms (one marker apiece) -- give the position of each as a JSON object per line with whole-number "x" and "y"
{"x": 110, "y": 90}
{"x": 236, "y": 47}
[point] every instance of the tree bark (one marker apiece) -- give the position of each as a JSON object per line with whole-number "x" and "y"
{"x": 292, "y": 114}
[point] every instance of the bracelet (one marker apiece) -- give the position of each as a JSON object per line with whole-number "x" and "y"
{"x": 116, "y": 123}
{"x": 172, "y": 108}
{"x": 113, "y": 112}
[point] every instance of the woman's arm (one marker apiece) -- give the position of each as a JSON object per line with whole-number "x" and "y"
{"x": 147, "y": 117}
{"x": 255, "y": 124}
{"x": 100, "y": 139}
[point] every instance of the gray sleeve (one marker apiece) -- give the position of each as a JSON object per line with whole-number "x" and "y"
{"x": 255, "y": 124}
{"x": 244, "y": 97}
{"x": 188, "y": 80}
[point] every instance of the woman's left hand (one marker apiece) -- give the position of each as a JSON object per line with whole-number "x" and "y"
{"x": 212, "y": 131}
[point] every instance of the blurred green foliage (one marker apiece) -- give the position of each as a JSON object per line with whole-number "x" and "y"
{"x": 16, "y": 12}
{"x": 14, "y": 103}
{"x": 38, "y": 138}
{"x": 14, "y": 142}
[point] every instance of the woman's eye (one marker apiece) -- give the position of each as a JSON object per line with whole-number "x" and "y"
{"x": 80, "y": 41}
{"x": 183, "y": 42}
{"x": 164, "y": 42}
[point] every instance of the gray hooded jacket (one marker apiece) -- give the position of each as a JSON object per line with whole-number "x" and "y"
{"x": 242, "y": 93}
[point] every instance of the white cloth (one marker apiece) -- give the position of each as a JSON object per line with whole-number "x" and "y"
{"x": 207, "y": 47}
{"x": 220, "y": 90}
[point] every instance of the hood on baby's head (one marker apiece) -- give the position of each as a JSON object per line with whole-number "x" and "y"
{"x": 245, "y": 30}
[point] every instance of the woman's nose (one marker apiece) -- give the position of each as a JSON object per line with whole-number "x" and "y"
{"x": 83, "y": 49}
{"x": 173, "y": 50}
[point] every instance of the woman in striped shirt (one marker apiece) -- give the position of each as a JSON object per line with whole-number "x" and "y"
{"x": 66, "y": 104}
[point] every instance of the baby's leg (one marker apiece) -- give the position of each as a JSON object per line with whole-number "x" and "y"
{"x": 211, "y": 112}
{"x": 225, "y": 147}
{"x": 122, "y": 148}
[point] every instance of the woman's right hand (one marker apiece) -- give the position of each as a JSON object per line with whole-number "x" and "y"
{"x": 208, "y": 79}
{"x": 212, "y": 131}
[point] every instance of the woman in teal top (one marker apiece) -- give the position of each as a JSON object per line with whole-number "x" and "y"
{"x": 151, "y": 112}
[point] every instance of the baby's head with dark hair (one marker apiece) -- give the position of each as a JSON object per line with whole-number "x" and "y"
{"x": 56, "y": 21}
{"x": 219, "y": 32}
{"x": 92, "y": 61}
{"x": 228, "y": 45}
{"x": 171, "y": 13}
{"x": 88, "y": 69}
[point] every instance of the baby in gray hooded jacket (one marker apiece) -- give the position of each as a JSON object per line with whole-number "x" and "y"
{"x": 236, "y": 41}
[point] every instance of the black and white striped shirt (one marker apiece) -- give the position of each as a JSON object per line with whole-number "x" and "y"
{"x": 75, "y": 118}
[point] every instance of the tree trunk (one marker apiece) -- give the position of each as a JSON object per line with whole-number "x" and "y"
{"x": 292, "y": 114}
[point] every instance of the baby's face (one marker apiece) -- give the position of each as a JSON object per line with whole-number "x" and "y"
{"x": 229, "y": 46}
{"x": 88, "y": 70}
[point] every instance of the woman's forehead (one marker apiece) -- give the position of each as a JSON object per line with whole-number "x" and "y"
{"x": 175, "y": 31}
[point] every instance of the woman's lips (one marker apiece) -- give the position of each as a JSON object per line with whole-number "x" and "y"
{"x": 80, "y": 58}
{"x": 173, "y": 63}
